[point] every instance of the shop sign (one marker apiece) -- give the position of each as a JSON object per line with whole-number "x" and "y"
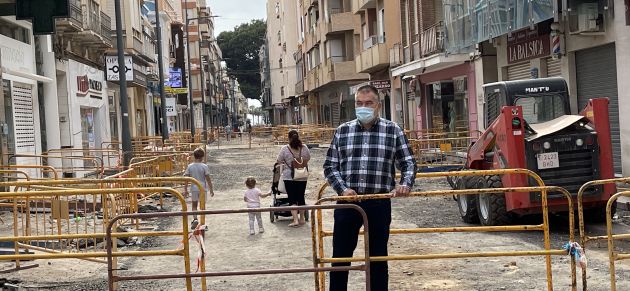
{"x": 175, "y": 90}
{"x": 85, "y": 85}
{"x": 171, "y": 110}
{"x": 526, "y": 45}
{"x": 381, "y": 84}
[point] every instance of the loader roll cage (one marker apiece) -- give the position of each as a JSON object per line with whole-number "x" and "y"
{"x": 535, "y": 96}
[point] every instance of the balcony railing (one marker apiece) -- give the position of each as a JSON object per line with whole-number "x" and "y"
{"x": 299, "y": 87}
{"x": 416, "y": 51}
{"x": 372, "y": 41}
{"x": 406, "y": 54}
{"x": 106, "y": 27}
{"x": 432, "y": 40}
{"x": 395, "y": 54}
{"x": 91, "y": 20}
{"x": 76, "y": 15}
{"x": 337, "y": 59}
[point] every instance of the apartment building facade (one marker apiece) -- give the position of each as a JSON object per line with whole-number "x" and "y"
{"x": 282, "y": 41}
{"x": 328, "y": 37}
{"x": 379, "y": 36}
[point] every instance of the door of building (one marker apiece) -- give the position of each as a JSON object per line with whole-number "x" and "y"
{"x": 596, "y": 76}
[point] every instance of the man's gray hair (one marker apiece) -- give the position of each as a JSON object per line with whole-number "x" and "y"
{"x": 367, "y": 89}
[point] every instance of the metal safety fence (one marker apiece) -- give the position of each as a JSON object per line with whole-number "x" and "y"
{"x": 70, "y": 223}
{"x": 547, "y": 251}
{"x": 585, "y": 196}
{"x": 75, "y": 221}
{"x": 114, "y": 277}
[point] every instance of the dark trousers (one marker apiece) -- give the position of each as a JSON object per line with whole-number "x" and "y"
{"x": 346, "y": 233}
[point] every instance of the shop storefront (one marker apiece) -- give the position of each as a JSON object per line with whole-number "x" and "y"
{"x": 445, "y": 100}
{"x": 87, "y": 107}
{"x": 19, "y": 106}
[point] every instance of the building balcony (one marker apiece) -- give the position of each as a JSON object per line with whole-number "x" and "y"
{"x": 96, "y": 30}
{"x": 342, "y": 71}
{"x": 432, "y": 39}
{"x": 342, "y": 21}
{"x": 358, "y": 5}
{"x": 313, "y": 78}
{"x": 312, "y": 37}
{"x": 299, "y": 87}
{"x": 395, "y": 55}
{"x": 372, "y": 59}
{"x": 74, "y": 23}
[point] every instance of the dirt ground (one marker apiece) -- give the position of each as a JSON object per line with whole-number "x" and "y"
{"x": 230, "y": 247}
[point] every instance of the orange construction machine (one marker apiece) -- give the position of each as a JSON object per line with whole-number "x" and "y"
{"x": 529, "y": 125}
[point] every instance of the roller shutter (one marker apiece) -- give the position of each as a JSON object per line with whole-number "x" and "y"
{"x": 518, "y": 72}
{"x": 596, "y": 74}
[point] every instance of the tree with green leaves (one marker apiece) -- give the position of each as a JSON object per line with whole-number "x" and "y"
{"x": 240, "y": 49}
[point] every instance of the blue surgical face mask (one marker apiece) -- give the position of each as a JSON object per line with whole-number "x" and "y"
{"x": 364, "y": 114}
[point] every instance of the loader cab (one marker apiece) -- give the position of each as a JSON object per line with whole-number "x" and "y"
{"x": 541, "y": 99}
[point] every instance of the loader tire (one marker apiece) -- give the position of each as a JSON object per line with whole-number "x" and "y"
{"x": 467, "y": 204}
{"x": 491, "y": 206}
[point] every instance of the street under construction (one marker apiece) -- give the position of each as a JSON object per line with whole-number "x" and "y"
{"x": 110, "y": 227}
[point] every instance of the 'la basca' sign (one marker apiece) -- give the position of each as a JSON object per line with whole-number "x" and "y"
{"x": 529, "y": 49}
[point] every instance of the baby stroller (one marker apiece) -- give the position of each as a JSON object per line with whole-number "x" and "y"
{"x": 280, "y": 199}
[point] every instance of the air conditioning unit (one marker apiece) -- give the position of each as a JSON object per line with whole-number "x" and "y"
{"x": 587, "y": 17}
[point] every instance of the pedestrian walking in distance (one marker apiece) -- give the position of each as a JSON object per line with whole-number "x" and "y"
{"x": 200, "y": 171}
{"x": 295, "y": 157}
{"x": 252, "y": 198}
{"x": 362, "y": 159}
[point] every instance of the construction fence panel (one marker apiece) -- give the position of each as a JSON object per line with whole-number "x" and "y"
{"x": 114, "y": 277}
{"x": 583, "y": 197}
{"x": 546, "y": 251}
{"x": 60, "y": 222}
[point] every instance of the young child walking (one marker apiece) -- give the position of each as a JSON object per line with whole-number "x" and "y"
{"x": 252, "y": 198}
{"x": 200, "y": 171}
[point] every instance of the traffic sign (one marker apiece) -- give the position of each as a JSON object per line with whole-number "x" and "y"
{"x": 113, "y": 69}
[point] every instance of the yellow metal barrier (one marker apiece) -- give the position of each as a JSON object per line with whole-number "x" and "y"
{"x": 440, "y": 154}
{"x": 68, "y": 244}
{"x": 43, "y": 169}
{"x": 584, "y": 238}
{"x": 113, "y": 278}
{"x": 77, "y": 165}
{"x": 111, "y": 158}
{"x": 610, "y": 237}
{"x": 544, "y": 227}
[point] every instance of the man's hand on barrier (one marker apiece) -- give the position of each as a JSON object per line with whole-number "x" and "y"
{"x": 349, "y": 192}
{"x": 211, "y": 193}
{"x": 401, "y": 190}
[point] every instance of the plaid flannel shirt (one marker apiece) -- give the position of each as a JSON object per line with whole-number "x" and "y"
{"x": 365, "y": 159}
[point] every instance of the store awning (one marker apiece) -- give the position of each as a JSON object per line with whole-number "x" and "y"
{"x": 430, "y": 64}
{"x": 27, "y": 75}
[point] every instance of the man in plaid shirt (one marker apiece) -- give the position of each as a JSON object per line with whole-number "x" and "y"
{"x": 361, "y": 160}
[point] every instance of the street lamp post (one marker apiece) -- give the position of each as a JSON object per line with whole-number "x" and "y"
{"x": 158, "y": 27}
{"x": 124, "y": 106}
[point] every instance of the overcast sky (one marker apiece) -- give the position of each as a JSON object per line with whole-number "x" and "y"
{"x": 235, "y": 12}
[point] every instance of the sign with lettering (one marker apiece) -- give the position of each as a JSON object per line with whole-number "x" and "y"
{"x": 381, "y": 84}
{"x": 113, "y": 69}
{"x": 526, "y": 45}
{"x": 171, "y": 110}
{"x": 85, "y": 85}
